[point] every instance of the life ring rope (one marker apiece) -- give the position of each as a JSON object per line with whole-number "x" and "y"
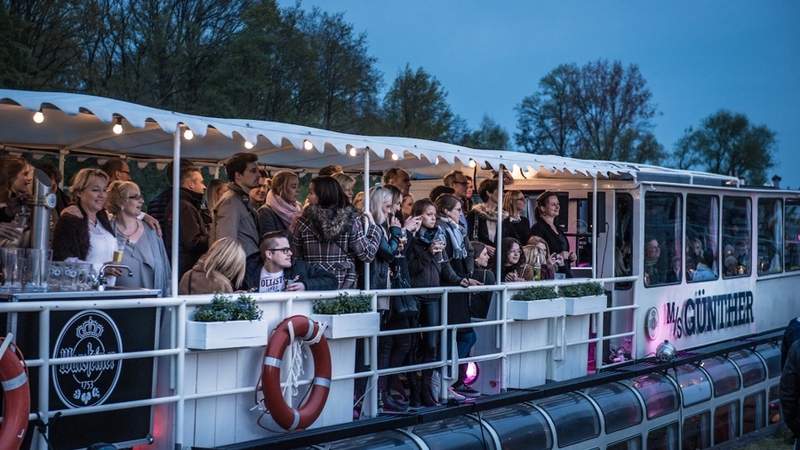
{"x": 312, "y": 335}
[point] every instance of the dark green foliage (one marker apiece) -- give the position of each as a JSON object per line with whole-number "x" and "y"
{"x": 223, "y": 309}
{"x": 536, "y": 293}
{"x": 581, "y": 290}
{"x": 344, "y": 304}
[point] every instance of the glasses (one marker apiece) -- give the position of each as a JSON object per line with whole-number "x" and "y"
{"x": 284, "y": 250}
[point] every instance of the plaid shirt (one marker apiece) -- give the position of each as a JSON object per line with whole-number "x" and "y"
{"x": 337, "y": 256}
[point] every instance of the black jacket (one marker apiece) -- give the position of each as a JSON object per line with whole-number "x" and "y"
{"x": 790, "y": 389}
{"x": 556, "y": 243}
{"x": 790, "y": 335}
{"x": 193, "y": 237}
{"x": 268, "y": 220}
{"x": 519, "y": 230}
{"x": 314, "y": 278}
{"x": 423, "y": 268}
{"x": 73, "y": 235}
{"x": 481, "y": 301}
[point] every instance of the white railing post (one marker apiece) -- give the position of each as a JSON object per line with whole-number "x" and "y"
{"x": 498, "y": 239}
{"x": 373, "y": 367}
{"x": 176, "y": 181}
{"x": 181, "y": 363}
{"x": 44, "y": 374}
{"x": 444, "y": 348}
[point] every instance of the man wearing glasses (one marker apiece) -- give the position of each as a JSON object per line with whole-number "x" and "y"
{"x": 280, "y": 273}
{"x": 458, "y": 181}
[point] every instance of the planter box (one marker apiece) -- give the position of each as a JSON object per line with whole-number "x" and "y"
{"x": 232, "y": 334}
{"x": 536, "y": 309}
{"x": 577, "y": 306}
{"x": 342, "y": 326}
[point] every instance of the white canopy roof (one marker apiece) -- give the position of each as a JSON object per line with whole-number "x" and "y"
{"x": 76, "y": 122}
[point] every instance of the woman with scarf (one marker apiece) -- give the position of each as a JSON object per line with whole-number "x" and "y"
{"x": 459, "y": 254}
{"x": 281, "y": 209}
{"x": 482, "y": 219}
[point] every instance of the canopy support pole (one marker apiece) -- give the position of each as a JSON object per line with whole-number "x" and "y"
{"x": 498, "y": 239}
{"x": 62, "y": 156}
{"x": 181, "y": 312}
{"x": 594, "y": 226}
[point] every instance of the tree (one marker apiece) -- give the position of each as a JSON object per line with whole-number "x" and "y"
{"x": 490, "y": 136}
{"x": 416, "y": 106}
{"x": 600, "y": 110}
{"x": 727, "y": 143}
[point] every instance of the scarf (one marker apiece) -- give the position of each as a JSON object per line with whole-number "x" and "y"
{"x": 287, "y": 212}
{"x": 456, "y": 235}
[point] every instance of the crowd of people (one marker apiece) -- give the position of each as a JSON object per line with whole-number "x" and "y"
{"x": 253, "y": 233}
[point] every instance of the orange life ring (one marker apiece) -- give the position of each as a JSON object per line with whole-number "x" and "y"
{"x": 16, "y": 398}
{"x": 284, "y": 415}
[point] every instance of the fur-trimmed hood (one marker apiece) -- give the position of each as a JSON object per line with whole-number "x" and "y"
{"x": 490, "y": 216}
{"x": 330, "y": 223}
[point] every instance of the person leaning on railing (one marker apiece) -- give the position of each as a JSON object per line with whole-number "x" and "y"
{"x": 221, "y": 269}
{"x": 513, "y": 261}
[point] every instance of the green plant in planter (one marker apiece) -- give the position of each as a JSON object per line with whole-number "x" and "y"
{"x": 222, "y": 309}
{"x": 535, "y": 293}
{"x": 344, "y": 304}
{"x": 581, "y": 290}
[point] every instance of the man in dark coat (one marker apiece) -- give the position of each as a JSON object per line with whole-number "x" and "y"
{"x": 282, "y": 273}
{"x": 790, "y": 392}
{"x": 194, "y": 220}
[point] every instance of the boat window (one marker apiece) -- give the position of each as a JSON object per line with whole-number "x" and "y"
{"x": 621, "y": 408}
{"x": 697, "y": 431}
{"x": 736, "y": 232}
{"x": 772, "y": 355}
{"x": 634, "y": 443}
{"x": 723, "y": 375}
{"x": 792, "y": 236}
{"x": 770, "y": 235}
{"x": 694, "y": 383}
{"x": 753, "y": 412}
{"x": 726, "y": 422}
{"x": 664, "y": 438}
{"x": 702, "y": 229}
{"x": 662, "y": 238}
{"x": 520, "y": 426}
{"x": 574, "y": 417}
{"x": 623, "y": 239}
{"x": 385, "y": 440}
{"x": 658, "y": 392}
{"x": 454, "y": 433}
{"x": 774, "y": 404}
{"x": 750, "y": 366}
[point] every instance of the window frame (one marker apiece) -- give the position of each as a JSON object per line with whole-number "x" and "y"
{"x": 709, "y": 431}
{"x": 686, "y": 237}
{"x": 796, "y": 202}
{"x": 749, "y": 234}
{"x": 781, "y": 239}
{"x": 681, "y": 223}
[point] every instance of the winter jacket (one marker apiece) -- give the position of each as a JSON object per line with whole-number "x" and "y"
{"x": 479, "y": 223}
{"x": 790, "y": 335}
{"x": 423, "y": 268}
{"x": 556, "y": 243}
{"x": 193, "y": 233}
{"x": 334, "y": 240}
{"x": 313, "y": 277}
{"x": 268, "y": 220}
{"x": 195, "y": 281}
{"x": 73, "y": 235}
{"x": 790, "y": 389}
{"x": 235, "y": 219}
{"x": 481, "y": 301}
{"x": 458, "y": 303}
{"x": 517, "y": 229}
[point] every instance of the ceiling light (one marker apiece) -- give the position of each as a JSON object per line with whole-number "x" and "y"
{"x": 308, "y": 145}
{"x": 188, "y": 134}
{"x": 38, "y": 117}
{"x": 248, "y": 145}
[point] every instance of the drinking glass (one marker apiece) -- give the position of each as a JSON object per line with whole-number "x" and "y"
{"x": 56, "y": 275}
{"x": 12, "y": 272}
{"x": 441, "y": 256}
{"x": 70, "y": 277}
{"x": 37, "y": 268}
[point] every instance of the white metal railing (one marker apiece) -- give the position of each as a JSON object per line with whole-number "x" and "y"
{"x": 177, "y": 351}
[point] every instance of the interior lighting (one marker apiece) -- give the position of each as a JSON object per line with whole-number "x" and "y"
{"x": 308, "y": 145}
{"x": 38, "y": 117}
{"x": 472, "y": 373}
{"x": 248, "y": 145}
{"x": 188, "y": 134}
{"x": 117, "y": 128}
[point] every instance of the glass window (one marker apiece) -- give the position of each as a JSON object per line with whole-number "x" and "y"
{"x": 702, "y": 228}
{"x": 772, "y": 356}
{"x": 753, "y": 412}
{"x": 623, "y": 236}
{"x": 770, "y": 235}
{"x": 792, "y": 227}
{"x": 750, "y": 366}
{"x": 520, "y": 426}
{"x": 662, "y": 238}
{"x": 774, "y": 404}
{"x": 664, "y": 438}
{"x": 726, "y": 423}
{"x": 574, "y": 417}
{"x": 454, "y": 433}
{"x": 634, "y": 443}
{"x": 694, "y": 384}
{"x": 736, "y": 232}
{"x": 697, "y": 431}
{"x": 723, "y": 375}
{"x": 385, "y": 440}
{"x": 658, "y": 392}
{"x": 621, "y": 408}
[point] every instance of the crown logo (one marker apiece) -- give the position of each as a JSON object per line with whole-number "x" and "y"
{"x": 89, "y": 328}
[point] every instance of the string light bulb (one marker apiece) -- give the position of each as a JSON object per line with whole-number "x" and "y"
{"x": 117, "y": 128}
{"x": 188, "y": 134}
{"x": 395, "y": 157}
{"x": 308, "y": 145}
{"x": 472, "y": 163}
{"x": 353, "y": 151}
{"x": 248, "y": 145}
{"x": 38, "y": 117}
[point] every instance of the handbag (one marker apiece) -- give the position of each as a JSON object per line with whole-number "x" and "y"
{"x": 402, "y": 306}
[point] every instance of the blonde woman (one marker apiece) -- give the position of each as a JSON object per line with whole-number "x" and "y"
{"x": 516, "y": 225}
{"x": 144, "y": 250}
{"x": 221, "y": 269}
{"x": 347, "y": 183}
{"x": 281, "y": 208}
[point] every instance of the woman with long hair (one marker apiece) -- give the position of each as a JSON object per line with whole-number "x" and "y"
{"x": 281, "y": 209}
{"x": 144, "y": 250}
{"x": 547, "y": 209}
{"x": 512, "y": 261}
{"x": 15, "y": 190}
{"x": 516, "y": 225}
{"x": 332, "y": 235}
{"x": 221, "y": 269}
